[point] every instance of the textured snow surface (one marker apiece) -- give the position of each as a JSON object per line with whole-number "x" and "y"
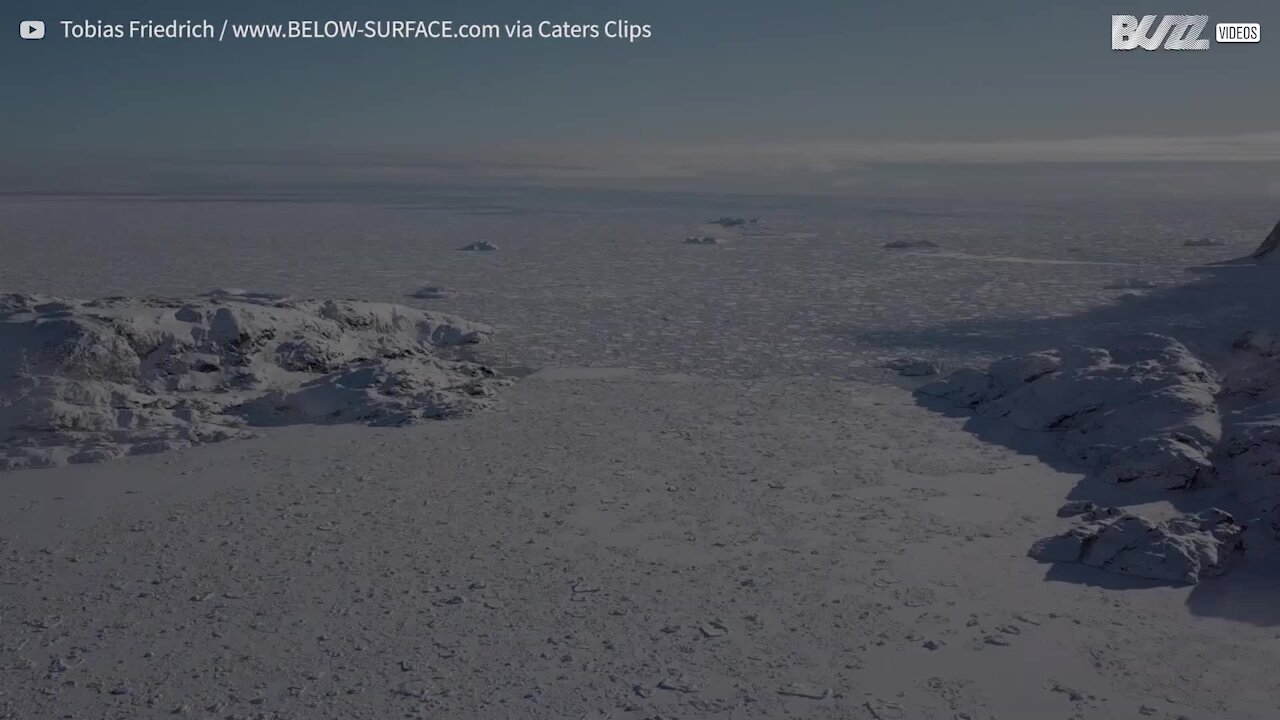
{"x": 694, "y": 508}
{"x": 87, "y": 381}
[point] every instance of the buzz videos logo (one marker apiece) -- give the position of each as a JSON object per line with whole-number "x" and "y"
{"x": 1176, "y": 32}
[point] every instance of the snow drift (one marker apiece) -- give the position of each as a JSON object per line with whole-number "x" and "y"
{"x": 86, "y": 381}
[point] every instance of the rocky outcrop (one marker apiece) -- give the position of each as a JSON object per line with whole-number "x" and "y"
{"x": 88, "y": 381}
{"x": 1268, "y": 247}
{"x": 1142, "y": 411}
{"x": 1182, "y": 549}
{"x": 1147, "y": 412}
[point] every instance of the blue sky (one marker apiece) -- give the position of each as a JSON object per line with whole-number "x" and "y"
{"x": 720, "y": 87}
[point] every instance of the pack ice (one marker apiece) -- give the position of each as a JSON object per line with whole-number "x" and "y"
{"x": 86, "y": 381}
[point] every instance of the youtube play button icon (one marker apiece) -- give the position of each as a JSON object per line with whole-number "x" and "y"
{"x": 31, "y": 29}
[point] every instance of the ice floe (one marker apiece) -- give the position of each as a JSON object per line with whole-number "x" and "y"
{"x": 910, "y": 245}
{"x": 728, "y": 222}
{"x": 431, "y": 292}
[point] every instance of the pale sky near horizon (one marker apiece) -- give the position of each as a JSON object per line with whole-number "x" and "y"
{"x": 721, "y": 87}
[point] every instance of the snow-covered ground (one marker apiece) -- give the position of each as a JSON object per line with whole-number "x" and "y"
{"x": 707, "y": 494}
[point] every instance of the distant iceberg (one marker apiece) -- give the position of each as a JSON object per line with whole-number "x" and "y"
{"x": 431, "y": 292}
{"x": 909, "y": 244}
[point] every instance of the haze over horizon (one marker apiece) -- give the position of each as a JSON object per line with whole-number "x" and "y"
{"x": 722, "y": 95}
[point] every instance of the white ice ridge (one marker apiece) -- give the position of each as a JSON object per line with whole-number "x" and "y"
{"x": 86, "y": 381}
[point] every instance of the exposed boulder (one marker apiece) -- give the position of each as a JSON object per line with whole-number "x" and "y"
{"x": 704, "y": 240}
{"x": 1182, "y": 549}
{"x": 1268, "y": 247}
{"x": 479, "y": 246}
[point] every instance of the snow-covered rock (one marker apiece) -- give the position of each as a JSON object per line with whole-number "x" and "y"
{"x": 914, "y": 367}
{"x": 1182, "y": 549}
{"x": 910, "y": 245}
{"x": 1142, "y": 411}
{"x": 479, "y": 246}
{"x": 704, "y": 240}
{"x": 1250, "y": 451}
{"x": 1077, "y": 507}
{"x": 1262, "y": 343}
{"x": 83, "y": 381}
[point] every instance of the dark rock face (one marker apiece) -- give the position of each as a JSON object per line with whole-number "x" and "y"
{"x": 1268, "y": 246}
